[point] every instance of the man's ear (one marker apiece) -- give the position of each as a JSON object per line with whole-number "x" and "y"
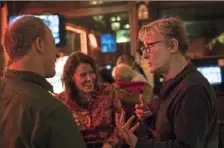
{"x": 173, "y": 45}
{"x": 39, "y": 45}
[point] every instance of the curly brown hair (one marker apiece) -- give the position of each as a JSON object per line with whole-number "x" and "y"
{"x": 73, "y": 61}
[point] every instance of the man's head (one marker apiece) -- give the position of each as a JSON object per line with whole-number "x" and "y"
{"x": 29, "y": 39}
{"x": 163, "y": 40}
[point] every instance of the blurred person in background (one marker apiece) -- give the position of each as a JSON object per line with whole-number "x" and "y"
{"x": 105, "y": 75}
{"x": 130, "y": 60}
{"x": 124, "y": 77}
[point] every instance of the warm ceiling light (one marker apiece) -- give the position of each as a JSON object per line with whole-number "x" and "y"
{"x": 118, "y": 18}
{"x": 115, "y": 26}
{"x": 127, "y": 26}
{"x": 93, "y": 2}
{"x": 113, "y": 19}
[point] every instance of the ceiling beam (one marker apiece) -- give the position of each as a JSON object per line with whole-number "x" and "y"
{"x": 94, "y": 11}
{"x": 183, "y": 4}
{"x": 68, "y": 9}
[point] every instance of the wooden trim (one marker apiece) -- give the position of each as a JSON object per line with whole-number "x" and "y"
{"x": 68, "y": 9}
{"x": 83, "y": 34}
{"x": 184, "y": 4}
{"x": 156, "y": 6}
{"x": 3, "y": 20}
{"x": 133, "y": 21}
{"x": 94, "y": 11}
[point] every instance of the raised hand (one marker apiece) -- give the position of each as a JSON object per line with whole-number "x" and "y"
{"x": 124, "y": 129}
{"x": 107, "y": 145}
{"x": 141, "y": 110}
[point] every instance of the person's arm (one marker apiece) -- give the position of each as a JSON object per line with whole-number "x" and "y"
{"x": 64, "y": 131}
{"x": 114, "y": 139}
{"x": 191, "y": 122}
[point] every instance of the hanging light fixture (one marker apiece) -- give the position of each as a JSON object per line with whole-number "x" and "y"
{"x": 115, "y": 26}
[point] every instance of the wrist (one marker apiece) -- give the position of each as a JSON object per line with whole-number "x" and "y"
{"x": 107, "y": 145}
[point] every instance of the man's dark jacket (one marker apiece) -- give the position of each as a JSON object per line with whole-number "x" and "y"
{"x": 187, "y": 117}
{"x": 30, "y": 115}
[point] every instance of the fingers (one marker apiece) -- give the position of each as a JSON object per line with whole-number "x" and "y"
{"x": 122, "y": 118}
{"x": 117, "y": 118}
{"x": 137, "y": 106}
{"x": 128, "y": 123}
{"x": 142, "y": 114}
{"x": 106, "y": 145}
{"x": 139, "y": 111}
{"x": 142, "y": 102}
{"x": 147, "y": 113}
{"x": 129, "y": 137}
{"x": 142, "y": 110}
{"x": 124, "y": 133}
{"x": 136, "y": 126}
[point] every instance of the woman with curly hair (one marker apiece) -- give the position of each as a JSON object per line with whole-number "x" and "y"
{"x": 92, "y": 104}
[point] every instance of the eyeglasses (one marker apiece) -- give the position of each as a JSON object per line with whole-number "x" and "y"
{"x": 149, "y": 46}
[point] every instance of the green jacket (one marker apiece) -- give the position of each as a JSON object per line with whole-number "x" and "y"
{"x": 31, "y": 116}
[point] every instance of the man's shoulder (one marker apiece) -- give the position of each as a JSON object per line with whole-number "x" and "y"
{"x": 31, "y": 95}
{"x": 46, "y": 101}
{"x": 195, "y": 78}
{"x": 196, "y": 82}
{"x": 193, "y": 81}
{"x": 25, "y": 87}
{"x": 33, "y": 99}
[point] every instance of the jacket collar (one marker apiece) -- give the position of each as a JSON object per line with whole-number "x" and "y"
{"x": 171, "y": 84}
{"x": 29, "y": 76}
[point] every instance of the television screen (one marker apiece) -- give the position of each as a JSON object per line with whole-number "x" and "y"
{"x": 108, "y": 43}
{"x": 212, "y": 73}
{"x": 56, "y": 80}
{"x": 123, "y": 36}
{"x": 52, "y": 21}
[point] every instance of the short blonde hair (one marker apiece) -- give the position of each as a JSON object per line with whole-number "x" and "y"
{"x": 123, "y": 72}
{"x": 168, "y": 27}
